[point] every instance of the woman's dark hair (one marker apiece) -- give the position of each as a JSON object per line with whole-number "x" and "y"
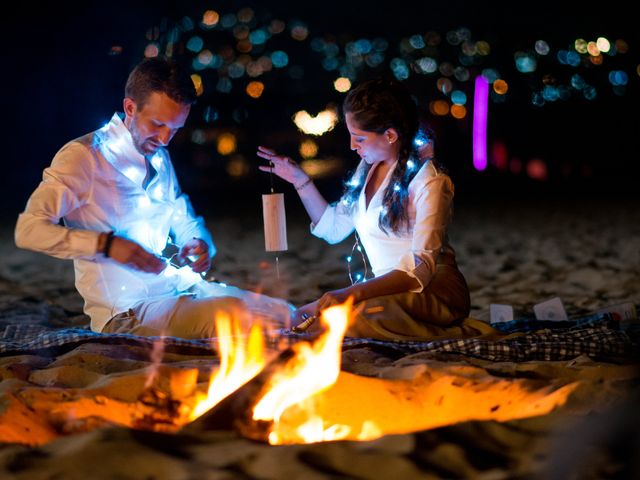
{"x": 159, "y": 74}
{"x": 377, "y": 105}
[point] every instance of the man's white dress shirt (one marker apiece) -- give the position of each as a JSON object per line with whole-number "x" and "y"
{"x": 96, "y": 184}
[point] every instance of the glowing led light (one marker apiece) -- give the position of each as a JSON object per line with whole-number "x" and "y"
{"x": 396, "y": 188}
{"x": 525, "y": 63}
{"x": 308, "y": 148}
{"x": 299, "y": 32}
{"x": 238, "y": 166}
{"x": 537, "y": 169}
{"x": 621, "y": 46}
{"x": 410, "y": 163}
{"x": 255, "y": 89}
{"x": 446, "y": 69}
{"x": 236, "y": 70}
{"x": 580, "y": 45}
{"x": 480, "y": 114}
{"x": 342, "y": 84}
{"x": 603, "y": 44}
{"x": 500, "y": 87}
{"x": 461, "y": 73}
{"x": 195, "y": 44}
{"x": 596, "y": 60}
{"x": 197, "y": 83}
{"x": 439, "y": 107}
{"x": 618, "y": 77}
{"x": 279, "y": 59}
{"x": 577, "y": 82}
{"x": 210, "y": 18}
{"x": 400, "y": 68}
{"x": 542, "y": 47}
{"x": 426, "y": 65}
{"x": 277, "y": 26}
{"x": 593, "y": 49}
{"x": 318, "y": 125}
{"x": 228, "y": 20}
{"x": 469, "y": 49}
{"x": 151, "y": 50}
{"x": 417, "y": 41}
{"x": 483, "y": 48}
{"x": 354, "y": 182}
{"x": 227, "y": 144}
{"x": 132, "y": 174}
{"x": 244, "y": 46}
{"x": 444, "y": 85}
{"x": 224, "y": 85}
{"x": 458, "y": 97}
{"x": 349, "y": 258}
{"x": 458, "y": 111}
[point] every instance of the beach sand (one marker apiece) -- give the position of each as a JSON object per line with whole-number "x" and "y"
{"x": 520, "y": 253}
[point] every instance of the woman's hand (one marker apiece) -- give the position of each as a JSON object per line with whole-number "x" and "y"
{"x": 303, "y": 313}
{"x": 282, "y": 166}
{"x": 334, "y": 297}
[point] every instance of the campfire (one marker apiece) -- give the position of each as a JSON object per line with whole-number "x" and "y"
{"x": 296, "y": 394}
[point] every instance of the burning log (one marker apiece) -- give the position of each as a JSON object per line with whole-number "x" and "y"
{"x": 236, "y": 410}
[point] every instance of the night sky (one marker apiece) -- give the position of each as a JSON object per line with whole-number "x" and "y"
{"x": 60, "y": 81}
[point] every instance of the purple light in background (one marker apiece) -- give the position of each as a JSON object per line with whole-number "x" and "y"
{"x": 480, "y": 112}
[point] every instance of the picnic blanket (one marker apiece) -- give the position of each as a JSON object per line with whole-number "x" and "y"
{"x": 597, "y": 336}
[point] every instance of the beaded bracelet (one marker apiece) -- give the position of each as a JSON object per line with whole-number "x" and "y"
{"x": 107, "y": 243}
{"x": 304, "y": 184}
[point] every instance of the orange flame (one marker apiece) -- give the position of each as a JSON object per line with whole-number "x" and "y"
{"x": 307, "y": 399}
{"x": 292, "y": 392}
{"x": 241, "y": 359}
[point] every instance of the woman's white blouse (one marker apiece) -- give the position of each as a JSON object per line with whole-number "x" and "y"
{"x": 414, "y": 251}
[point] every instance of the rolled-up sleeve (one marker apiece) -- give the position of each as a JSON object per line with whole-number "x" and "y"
{"x": 433, "y": 202}
{"x": 336, "y": 223}
{"x": 65, "y": 186}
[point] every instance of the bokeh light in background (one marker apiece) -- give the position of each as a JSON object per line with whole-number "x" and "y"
{"x": 234, "y": 47}
{"x": 274, "y": 77}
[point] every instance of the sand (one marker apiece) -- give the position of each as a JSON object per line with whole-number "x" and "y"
{"x": 520, "y": 253}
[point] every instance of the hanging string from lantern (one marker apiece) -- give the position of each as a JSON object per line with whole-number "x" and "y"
{"x": 357, "y": 247}
{"x": 272, "y": 191}
{"x": 271, "y": 176}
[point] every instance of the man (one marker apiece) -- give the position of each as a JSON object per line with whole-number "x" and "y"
{"x": 117, "y": 193}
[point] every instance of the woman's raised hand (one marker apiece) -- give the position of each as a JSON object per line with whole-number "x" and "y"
{"x": 282, "y": 166}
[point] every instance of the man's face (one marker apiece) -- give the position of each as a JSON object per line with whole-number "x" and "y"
{"x": 155, "y": 123}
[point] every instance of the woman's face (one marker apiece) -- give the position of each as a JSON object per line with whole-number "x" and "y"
{"x": 373, "y": 147}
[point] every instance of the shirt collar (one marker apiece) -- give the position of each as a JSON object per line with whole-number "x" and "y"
{"x": 118, "y": 149}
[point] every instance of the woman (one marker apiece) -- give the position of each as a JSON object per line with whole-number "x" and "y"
{"x": 399, "y": 202}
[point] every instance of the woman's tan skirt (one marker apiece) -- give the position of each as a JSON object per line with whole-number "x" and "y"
{"x": 440, "y": 311}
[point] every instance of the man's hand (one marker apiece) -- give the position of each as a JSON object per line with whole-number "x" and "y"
{"x": 198, "y": 251}
{"x": 131, "y": 254}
